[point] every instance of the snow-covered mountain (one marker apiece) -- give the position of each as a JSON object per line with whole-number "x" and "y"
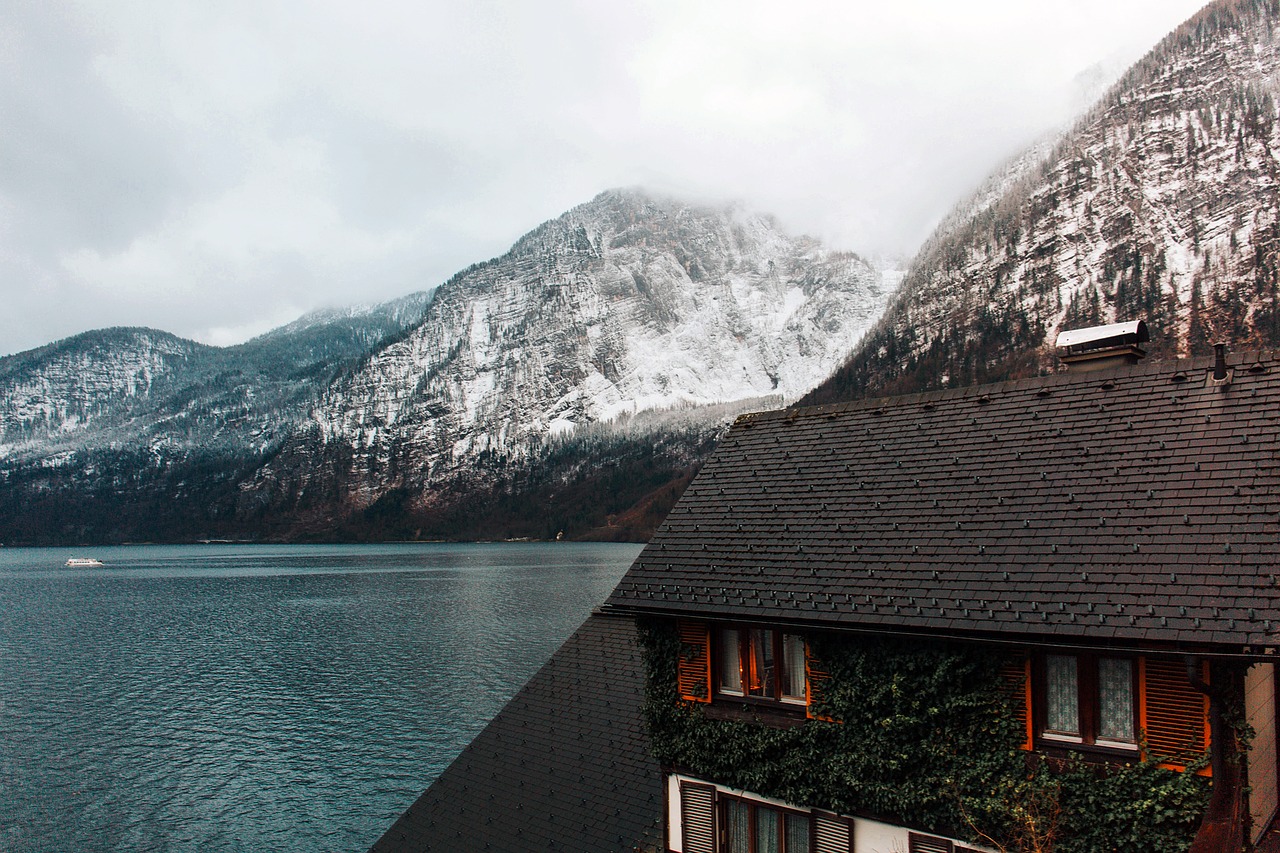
{"x": 89, "y": 381}
{"x": 151, "y": 391}
{"x": 1162, "y": 202}
{"x": 624, "y": 305}
{"x": 630, "y": 328}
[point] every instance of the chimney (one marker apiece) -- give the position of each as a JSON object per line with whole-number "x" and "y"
{"x": 1103, "y": 347}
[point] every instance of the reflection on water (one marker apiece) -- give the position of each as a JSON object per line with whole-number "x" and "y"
{"x": 229, "y": 698}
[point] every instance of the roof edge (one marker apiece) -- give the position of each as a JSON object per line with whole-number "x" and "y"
{"x": 1208, "y": 650}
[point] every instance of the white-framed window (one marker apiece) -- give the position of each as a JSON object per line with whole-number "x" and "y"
{"x": 703, "y": 817}
{"x": 707, "y": 818}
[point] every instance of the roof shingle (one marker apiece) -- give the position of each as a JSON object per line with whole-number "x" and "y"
{"x": 1132, "y": 504}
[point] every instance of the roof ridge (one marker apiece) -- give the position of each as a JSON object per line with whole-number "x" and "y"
{"x": 1066, "y": 377}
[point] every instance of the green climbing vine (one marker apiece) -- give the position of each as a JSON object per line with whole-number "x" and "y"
{"x": 926, "y": 738}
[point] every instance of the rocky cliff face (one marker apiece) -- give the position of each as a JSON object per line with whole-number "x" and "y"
{"x": 1162, "y": 203}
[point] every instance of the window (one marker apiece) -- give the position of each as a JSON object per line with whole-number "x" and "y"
{"x": 760, "y": 663}
{"x": 1095, "y": 701}
{"x": 1088, "y": 700}
{"x": 751, "y": 827}
{"x": 703, "y": 817}
{"x": 749, "y": 664}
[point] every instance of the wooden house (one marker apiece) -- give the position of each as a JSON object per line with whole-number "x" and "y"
{"x": 897, "y": 624}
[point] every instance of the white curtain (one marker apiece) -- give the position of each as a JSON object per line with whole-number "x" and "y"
{"x": 1062, "y": 695}
{"x": 730, "y": 662}
{"x": 738, "y": 826}
{"x": 797, "y": 834}
{"x": 766, "y": 830}
{"x": 793, "y": 666}
{"x": 1115, "y": 699}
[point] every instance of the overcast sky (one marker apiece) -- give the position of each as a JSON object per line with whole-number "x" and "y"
{"x": 217, "y": 169}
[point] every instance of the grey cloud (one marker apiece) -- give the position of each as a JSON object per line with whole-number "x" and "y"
{"x": 82, "y": 169}
{"x": 322, "y": 153}
{"x": 384, "y": 174}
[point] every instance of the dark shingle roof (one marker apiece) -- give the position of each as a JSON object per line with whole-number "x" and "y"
{"x": 1133, "y": 506}
{"x": 565, "y": 765}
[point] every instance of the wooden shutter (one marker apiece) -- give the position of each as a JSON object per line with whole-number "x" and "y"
{"x": 832, "y": 833}
{"x": 815, "y": 684}
{"x": 917, "y": 843}
{"x": 697, "y": 818}
{"x": 694, "y": 668}
{"x": 1016, "y": 678}
{"x": 1173, "y": 715}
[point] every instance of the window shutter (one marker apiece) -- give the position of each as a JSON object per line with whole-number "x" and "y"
{"x": 1173, "y": 715}
{"x": 693, "y": 675}
{"x": 832, "y": 834}
{"x": 698, "y": 818}
{"x": 1016, "y": 678}
{"x": 917, "y": 843}
{"x": 816, "y": 679}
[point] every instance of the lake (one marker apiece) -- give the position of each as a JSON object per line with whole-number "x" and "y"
{"x": 251, "y": 698}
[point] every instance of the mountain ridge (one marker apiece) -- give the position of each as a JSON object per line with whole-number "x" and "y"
{"x": 626, "y": 331}
{"x": 573, "y": 383}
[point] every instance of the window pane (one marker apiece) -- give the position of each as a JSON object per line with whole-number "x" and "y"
{"x": 766, "y": 830}
{"x": 1115, "y": 699}
{"x": 737, "y": 827}
{"x": 1062, "y": 703}
{"x": 793, "y": 666}
{"x": 797, "y": 833}
{"x": 760, "y": 666}
{"x": 730, "y": 662}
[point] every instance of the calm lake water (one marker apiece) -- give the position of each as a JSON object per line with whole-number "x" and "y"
{"x": 274, "y": 698}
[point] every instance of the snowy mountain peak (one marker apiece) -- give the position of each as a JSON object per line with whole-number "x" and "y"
{"x": 627, "y": 304}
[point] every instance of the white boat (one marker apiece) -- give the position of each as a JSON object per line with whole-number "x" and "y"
{"x": 83, "y": 563}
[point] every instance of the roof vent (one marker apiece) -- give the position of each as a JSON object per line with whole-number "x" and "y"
{"x": 1102, "y": 347}
{"x": 1221, "y": 375}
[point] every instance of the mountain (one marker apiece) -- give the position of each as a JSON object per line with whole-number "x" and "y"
{"x": 130, "y": 386}
{"x": 570, "y": 384}
{"x": 94, "y": 381}
{"x": 1162, "y": 202}
{"x": 135, "y": 434}
{"x": 622, "y": 308}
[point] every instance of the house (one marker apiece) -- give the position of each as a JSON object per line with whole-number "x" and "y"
{"x": 1040, "y": 614}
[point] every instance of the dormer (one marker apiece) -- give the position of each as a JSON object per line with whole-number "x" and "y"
{"x": 1103, "y": 347}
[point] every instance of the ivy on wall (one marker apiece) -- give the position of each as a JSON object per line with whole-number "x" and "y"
{"x": 927, "y": 739}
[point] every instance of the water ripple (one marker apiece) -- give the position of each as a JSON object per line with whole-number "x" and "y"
{"x": 286, "y": 698}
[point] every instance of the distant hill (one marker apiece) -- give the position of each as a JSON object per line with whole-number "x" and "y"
{"x": 135, "y": 387}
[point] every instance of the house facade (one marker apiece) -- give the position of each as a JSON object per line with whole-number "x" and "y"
{"x": 1034, "y": 615}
